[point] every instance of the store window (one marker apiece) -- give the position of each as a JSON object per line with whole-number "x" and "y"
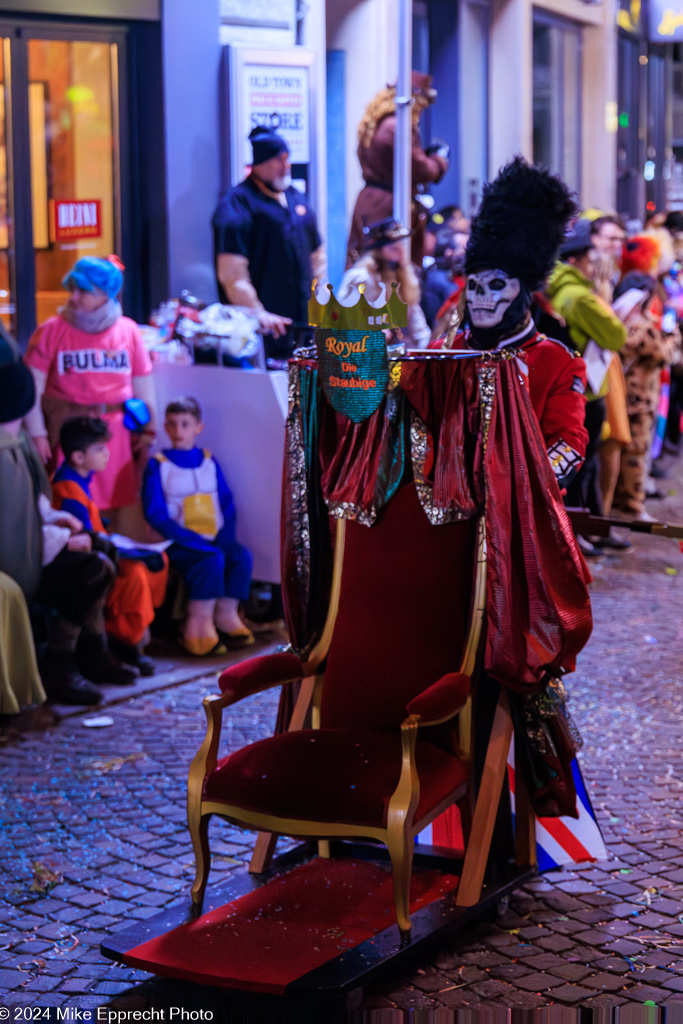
{"x": 675, "y": 182}
{"x": 557, "y": 98}
{"x": 630, "y": 141}
{"x": 71, "y": 115}
{"x": 7, "y": 303}
{"x": 60, "y": 161}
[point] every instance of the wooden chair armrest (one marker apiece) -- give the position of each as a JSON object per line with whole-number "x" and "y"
{"x": 237, "y": 682}
{"x": 204, "y": 761}
{"x": 442, "y": 700}
{"x": 258, "y": 674}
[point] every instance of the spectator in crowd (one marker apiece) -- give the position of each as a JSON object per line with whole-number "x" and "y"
{"x": 607, "y": 235}
{"x": 89, "y": 359}
{"x": 50, "y": 556}
{"x": 452, "y": 217}
{"x": 187, "y": 500}
{"x": 437, "y": 270}
{"x": 450, "y": 314}
{"x": 596, "y": 332}
{"x": 376, "y": 155}
{"x": 639, "y": 252}
{"x": 668, "y": 303}
{"x": 140, "y": 584}
{"x": 20, "y": 684}
{"x": 384, "y": 261}
{"x": 646, "y": 352}
{"x": 267, "y": 247}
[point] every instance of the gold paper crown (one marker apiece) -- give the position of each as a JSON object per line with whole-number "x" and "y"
{"x": 360, "y": 317}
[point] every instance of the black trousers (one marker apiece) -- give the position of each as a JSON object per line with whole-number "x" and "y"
{"x": 673, "y": 421}
{"x": 75, "y": 584}
{"x": 584, "y": 490}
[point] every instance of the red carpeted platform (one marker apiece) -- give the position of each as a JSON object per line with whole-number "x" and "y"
{"x": 268, "y": 938}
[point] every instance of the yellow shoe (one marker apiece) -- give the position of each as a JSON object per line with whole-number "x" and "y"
{"x": 202, "y": 646}
{"x": 237, "y": 638}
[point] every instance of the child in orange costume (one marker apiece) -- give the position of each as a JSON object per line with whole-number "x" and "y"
{"x": 138, "y": 589}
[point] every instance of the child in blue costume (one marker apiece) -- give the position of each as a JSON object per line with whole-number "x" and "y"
{"x": 187, "y": 500}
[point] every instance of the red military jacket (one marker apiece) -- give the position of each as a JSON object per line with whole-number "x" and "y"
{"x": 556, "y": 378}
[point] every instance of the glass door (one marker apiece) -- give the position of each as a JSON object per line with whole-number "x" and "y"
{"x": 60, "y": 171}
{"x": 72, "y": 115}
{"x": 7, "y": 305}
{"x": 557, "y": 97}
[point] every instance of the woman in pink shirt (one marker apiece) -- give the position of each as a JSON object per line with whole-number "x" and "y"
{"x": 89, "y": 360}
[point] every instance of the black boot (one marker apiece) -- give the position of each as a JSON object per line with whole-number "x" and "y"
{"x": 63, "y": 682}
{"x": 97, "y": 663}
{"x": 132, "y": 655}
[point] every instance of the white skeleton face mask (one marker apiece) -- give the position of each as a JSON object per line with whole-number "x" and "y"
{"x": 489, "y": 294}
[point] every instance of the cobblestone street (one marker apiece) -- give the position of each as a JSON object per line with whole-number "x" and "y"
{"x": 94, "y": 833}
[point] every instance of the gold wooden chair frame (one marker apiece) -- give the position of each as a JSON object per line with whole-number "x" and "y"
{"x": 401, "y": 824}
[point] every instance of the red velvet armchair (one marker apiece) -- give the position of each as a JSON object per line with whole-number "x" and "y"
{"x": 382, "y": 759}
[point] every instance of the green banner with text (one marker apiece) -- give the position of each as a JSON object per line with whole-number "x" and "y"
{"x": 353, "y": 370}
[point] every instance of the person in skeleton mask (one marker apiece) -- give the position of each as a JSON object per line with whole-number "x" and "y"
{"x": 512, "y": 248}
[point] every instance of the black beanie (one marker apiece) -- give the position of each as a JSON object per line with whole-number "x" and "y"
{"x": 266, "y": 144}
{"x": 17, "y": 390}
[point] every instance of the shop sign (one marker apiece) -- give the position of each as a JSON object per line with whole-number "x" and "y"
{"x": 666, "y": 21}
{"x": 78, "y": 218}
{"x": 278, "y": 97}
{"x": 629, "y": 15}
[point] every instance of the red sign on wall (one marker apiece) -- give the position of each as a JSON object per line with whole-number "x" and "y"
{"x": 78, "y": 218}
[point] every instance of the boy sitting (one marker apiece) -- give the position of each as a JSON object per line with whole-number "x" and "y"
{"x": 137, "y": 590}
{"x": 187, "y": 500}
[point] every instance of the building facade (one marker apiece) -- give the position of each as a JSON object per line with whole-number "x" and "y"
{"x": 650, "y": 98}
{"x": 122, "y": 120}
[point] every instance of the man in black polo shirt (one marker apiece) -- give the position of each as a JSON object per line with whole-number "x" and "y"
{"x": 267, "y": 245}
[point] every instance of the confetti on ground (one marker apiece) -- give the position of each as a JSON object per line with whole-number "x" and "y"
{"x": 101, "y": 722}
{"x": 112, "y": 764}
{"x": 44, "y": 878}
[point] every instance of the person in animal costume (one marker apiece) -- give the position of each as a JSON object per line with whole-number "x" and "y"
{"x": 376, "y": 156}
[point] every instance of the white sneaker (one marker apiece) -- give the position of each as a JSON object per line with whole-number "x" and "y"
{"x": 635, "y": 517}
{"x": 645, "y": 517}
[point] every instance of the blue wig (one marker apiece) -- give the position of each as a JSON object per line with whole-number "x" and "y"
{"x": 91, "y": 273}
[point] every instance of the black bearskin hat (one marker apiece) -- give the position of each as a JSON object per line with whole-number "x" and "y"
{"x": 520, "y": 224}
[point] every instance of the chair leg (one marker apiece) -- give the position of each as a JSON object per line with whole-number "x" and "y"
{"x": 466, "y": 816}
{"x": 264, "y": 848}
{"x": 525, "y": 824}
{"x": 486, "y": 808}
{"x": 401, "y": 853}
{"x": 199, "y": 833}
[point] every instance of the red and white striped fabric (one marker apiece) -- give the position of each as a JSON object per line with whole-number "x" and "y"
{"x": 559, "y": 841}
